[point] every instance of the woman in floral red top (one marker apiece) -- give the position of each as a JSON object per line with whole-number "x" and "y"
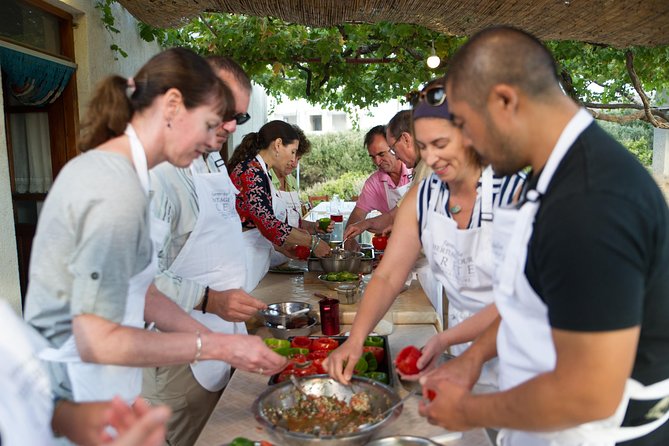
{"x": 275, "y": 144}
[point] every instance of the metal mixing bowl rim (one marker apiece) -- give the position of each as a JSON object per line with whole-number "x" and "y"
{"x": 369, "y": 430}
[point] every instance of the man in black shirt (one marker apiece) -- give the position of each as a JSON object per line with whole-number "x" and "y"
{"x": 583, "y": 277}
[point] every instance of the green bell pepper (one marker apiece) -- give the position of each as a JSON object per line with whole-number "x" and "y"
{"x": 241, "y": 441}
{"x": 372, "y": 364}
{"x": 275, "y": 343}
{"x": 288, "y": 351}
{"x": 373, "y": 341}
{"x": 360, "y": 366}
{"x": 377, "y": 376}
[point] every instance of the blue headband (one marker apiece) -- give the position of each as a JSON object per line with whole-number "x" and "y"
{"x": 425, "y": 110}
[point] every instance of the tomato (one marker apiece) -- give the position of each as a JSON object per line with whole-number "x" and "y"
{"x": 378, "y": 352}
{"x": 318, "y": 354}
{"x": 305, "y": 371}
{"x": 284, "y": 375}
{"x": 318, "y": 363}
{"x": 298, "y": 357}
{"x": 406, "y": 360}
{"x": 326, "y": 344}
{"x": 300, "y": 342}
{"x": 380, "y": 242}
{"x": 302, "y": 252}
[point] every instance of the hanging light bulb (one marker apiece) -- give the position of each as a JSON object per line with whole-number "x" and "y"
{"x": 433, "y": 61}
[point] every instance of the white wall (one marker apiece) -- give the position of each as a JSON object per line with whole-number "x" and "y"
{"x": 95, "y": 61}
{"x": 302, "y": 110}
{"x": 258, "y": 112}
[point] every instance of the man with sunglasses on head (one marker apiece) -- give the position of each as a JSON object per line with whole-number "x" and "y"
{"x": 200, "y": 267}
{"x": 385, "y": 187}
{"x": 581, "y": 265}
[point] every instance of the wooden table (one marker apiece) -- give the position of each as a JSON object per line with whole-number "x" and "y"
{"x": 411, "y": 306}
{"x": 233, "y": 418}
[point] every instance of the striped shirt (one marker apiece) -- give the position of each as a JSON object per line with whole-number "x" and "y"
{"x": 504, "y": 190}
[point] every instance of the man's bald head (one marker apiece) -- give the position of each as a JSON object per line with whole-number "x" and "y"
{"x": 502, "y": 55}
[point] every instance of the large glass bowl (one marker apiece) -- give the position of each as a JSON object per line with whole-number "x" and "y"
{"x": 284, "y": 394}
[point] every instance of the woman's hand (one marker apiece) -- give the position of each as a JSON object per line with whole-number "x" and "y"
{"x": 340, "y": 362}
{"x": 249, "y": 353}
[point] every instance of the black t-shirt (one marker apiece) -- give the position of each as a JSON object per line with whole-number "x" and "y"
{"x": 599, "y": 254}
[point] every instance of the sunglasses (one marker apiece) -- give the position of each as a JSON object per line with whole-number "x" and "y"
{"x": 241, "y": 118}
{"x": 434, "y": 95}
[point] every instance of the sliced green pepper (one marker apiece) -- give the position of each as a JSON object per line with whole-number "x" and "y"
{"x": 275, "y": 343}
{"x": 377, "y": 376}
{"x": 374, "y": 341}
{"x": 372, "y": 364}
{"x": 241, "y": 441}
{"x": 360, "y": 366}
{"x": 287, "y": 351}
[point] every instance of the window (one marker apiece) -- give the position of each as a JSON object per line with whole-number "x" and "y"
{"x": 290, "y": 119}
{"x": 316, "y": 123}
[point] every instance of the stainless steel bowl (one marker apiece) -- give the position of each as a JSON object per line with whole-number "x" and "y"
{"x": 402, "y": 440}
{"x": 281, "y": 313}
{"x": 280, "y": 332}
{"x": 283, "y": 395}
{"x": 337, "y": 262}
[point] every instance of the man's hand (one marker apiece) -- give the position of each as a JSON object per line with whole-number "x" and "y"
{"x": 233, "y": 305}
{"x": 356, "y": 229}
{"x": 139, "y": 425}
{"x": 87, "y": 423}
{"x": 446, "y": 407}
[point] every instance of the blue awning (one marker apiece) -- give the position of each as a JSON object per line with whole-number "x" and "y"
{"x": 33, "y": 78}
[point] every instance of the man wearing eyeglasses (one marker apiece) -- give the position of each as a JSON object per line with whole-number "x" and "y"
{"x": 385, "y": 187}
{"x": 400, "y": 142}
{"x": 200, "y": 266}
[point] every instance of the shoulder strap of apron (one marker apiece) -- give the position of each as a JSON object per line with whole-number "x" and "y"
{"x": 138, "y": 157}
{"x": 486, "y": 195}
{"x": 525, "y": 222}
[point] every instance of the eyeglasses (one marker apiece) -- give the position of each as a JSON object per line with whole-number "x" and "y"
{"x": 241, "y": 118}
{"x": 434, "y": 95}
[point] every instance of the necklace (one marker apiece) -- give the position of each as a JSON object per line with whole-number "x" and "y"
{"x": 455, "y": 209}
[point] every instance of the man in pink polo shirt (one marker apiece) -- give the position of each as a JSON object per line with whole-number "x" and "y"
{"x": 384, "y": 188}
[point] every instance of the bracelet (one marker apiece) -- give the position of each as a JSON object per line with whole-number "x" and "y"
{"x": 205, "y": 299}
{"x": 198, "y": 343}
{"x": 314, "y": 241}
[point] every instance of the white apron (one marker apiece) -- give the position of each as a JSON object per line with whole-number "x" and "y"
{"x": 258, "y": 248}
{"x": 101, "y": 382}
{"x": 524, "y": 343}
{"x": 461, "y": 260}
{"x": 291, "y": 201}
{"x": 26, "y": 404}
{"x": 213, "y": 256}
{"x": 393, "y": 196}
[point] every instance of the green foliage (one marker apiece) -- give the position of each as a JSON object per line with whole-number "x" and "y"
{"x": 352, "y": 64}
{"x": 323, "y": 64}
{"x": 333, "y": 155}
{"x": 346, "y": 186}
{"x": 108, "y": 21}
{"x": 637, "y": 137}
